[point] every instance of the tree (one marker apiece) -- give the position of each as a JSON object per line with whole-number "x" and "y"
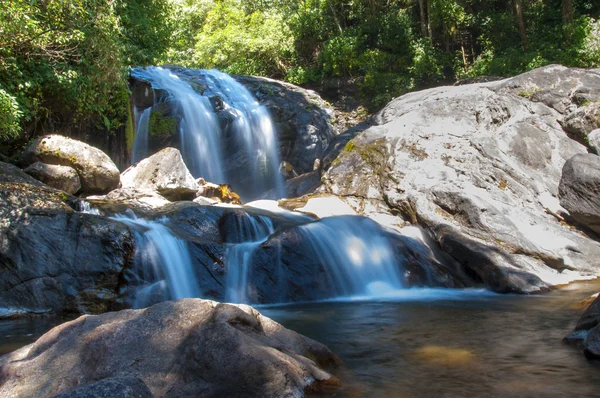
{"x": 521, "y": 22}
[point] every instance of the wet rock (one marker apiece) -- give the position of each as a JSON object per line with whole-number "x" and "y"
{"x": 478, "y": 167}
{"x": 579, "y": 190}
{"x": 64, "y": 178}
{"x": 587, "y": 331}
{"x": 164, "y": 172}
{"x": 191, "y": 347}
{"x": 96, "y": 171}
{"x": 138, "y": 200}
{"x": 53, "y": 259}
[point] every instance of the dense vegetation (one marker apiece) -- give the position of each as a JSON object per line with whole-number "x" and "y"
{"x": 63, "y": 64}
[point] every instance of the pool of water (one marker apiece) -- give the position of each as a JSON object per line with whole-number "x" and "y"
{"x": 453, "y": 346}
{"x": 432, "y": 343}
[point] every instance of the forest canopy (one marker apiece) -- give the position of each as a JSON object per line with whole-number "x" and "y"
{"x": 63, "y": 64}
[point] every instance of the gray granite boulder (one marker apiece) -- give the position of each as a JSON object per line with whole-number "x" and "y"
{"x": 64, "y": 178}
{"x": 478, "y": 167}
{"x": 579, "y": 190}
{"x": 96, "y": 171}
{"x": 186, "y": 348}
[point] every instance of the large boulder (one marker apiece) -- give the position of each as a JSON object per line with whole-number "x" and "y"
{"x": 478, "y": 167}
{"x": 164, "y": 172}
{"x": 186, "y": 348}
{"x": 52, "y": 258}
{"x": 64, "y": 178}
{"x": 579, "y": 190}
{"x": 97, "y": 172}
{"x": 587, "y": 331}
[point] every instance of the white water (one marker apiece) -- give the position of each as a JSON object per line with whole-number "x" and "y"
{"x": 140, "y": 145}
{"x": 162, "y": 256}
{"x": 358, "y": 257}
{"x": 198, "y": 129}
{"x": 202, "y": 141}
{"x": 253, "y": 130}
{"x": 251, "y": 231}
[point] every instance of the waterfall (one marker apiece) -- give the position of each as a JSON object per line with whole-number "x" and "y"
{"x": 356, "y": 254}
{"x": 140, "y": 144}
{"x": 250, "y": 232}
{"x": 240, "y": 148}
{"x": 161, "y": 256}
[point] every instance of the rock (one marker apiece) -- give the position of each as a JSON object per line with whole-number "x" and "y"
{"x": 298, "y": 186}
{"x": 478, "y": 167}
{"x": 591, "y": 344}
{"x": 163, "y": 172}
{"x": 191, "y": 347}
{"x": 555, "y": 86}
{"x": 112, "y": 387}
{"x": 138, "y": 200}
{"x": 580, "y": 123}
{"x": 97, "y": 173}
{"x": 287, "y": 170}
{"x": 64, "y": 178}
{"x": 53, "y": 259}
{"x": 217, "y": 192}
{"x": 594, "y": 141}
{"x": 587, "y": 331}
{"x": 579, "y": 190}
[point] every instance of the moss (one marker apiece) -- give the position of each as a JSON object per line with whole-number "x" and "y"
{"x": 129, "y": 133}
{"x": 349, "y": 146}
{"x": 161, "y": 125}
{"x": 528, "y": 93}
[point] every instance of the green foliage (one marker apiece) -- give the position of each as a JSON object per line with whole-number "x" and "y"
{"x": 256, "y": 43}
{"x": 161, "y": 125}
{"x": 10, "y": 114}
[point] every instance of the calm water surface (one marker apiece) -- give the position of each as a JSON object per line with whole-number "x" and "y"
{"x": 488, "y": 346}
{"x": 433, "y": 344}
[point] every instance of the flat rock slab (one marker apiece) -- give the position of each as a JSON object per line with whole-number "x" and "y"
{"x": 187, "y": 348}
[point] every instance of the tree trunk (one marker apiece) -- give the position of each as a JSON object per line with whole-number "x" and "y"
{"x": 423, "y": 18}
{"x": 567, "y": 11}
{"x": 521, "y": 22}
{"x": 429, "y": 31}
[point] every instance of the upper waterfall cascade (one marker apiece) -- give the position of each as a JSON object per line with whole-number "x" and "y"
{"x": 239, "y": 148}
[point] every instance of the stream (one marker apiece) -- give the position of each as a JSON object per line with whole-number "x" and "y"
{"x": 432, "y": 342}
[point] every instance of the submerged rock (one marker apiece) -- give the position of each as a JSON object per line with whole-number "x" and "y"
{"x": 579, "y": 190}
{"x": 187, "y": 348}
{"x": 478, "y": 166}
{"x": 97, "y": 172}
{"x": 64, "y": 178}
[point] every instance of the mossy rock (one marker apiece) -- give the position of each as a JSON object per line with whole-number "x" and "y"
{"x": 161, "y": 125}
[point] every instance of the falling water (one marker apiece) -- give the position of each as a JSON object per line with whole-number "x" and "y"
{"x": 251, "y": 137}
{"x": 198, "y": 128}
{"x": 356, "y": 254}
{"x": 160, "y": 256}
{"x": 250, "y": 231}
{"x": 253, "y": 130}
{"x": 140, "y": 145}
